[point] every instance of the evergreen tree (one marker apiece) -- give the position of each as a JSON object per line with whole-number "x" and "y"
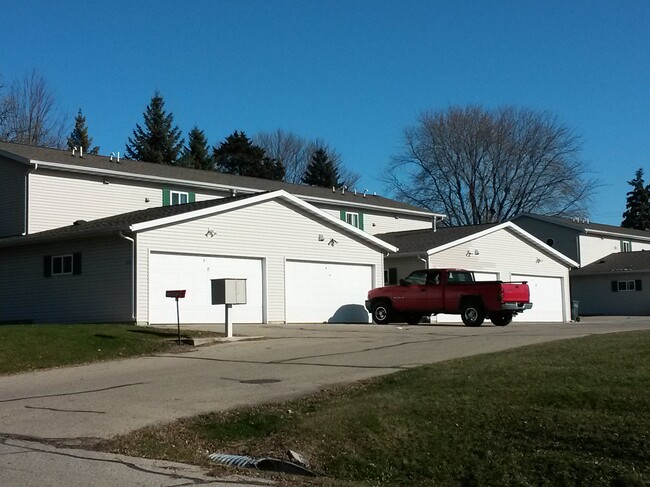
{"x": 79, "y": 136}
{"x": 238, "y": 155}
{"x": 197, "y": 154}
{"x": 160, "y": 141}
{"x": 321, "y": 170}
{"x": 637, "y": 214}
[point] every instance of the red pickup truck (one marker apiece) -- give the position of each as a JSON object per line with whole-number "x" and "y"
{"x": 453, "y": 291}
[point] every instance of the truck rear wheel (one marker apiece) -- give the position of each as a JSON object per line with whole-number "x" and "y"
{"x": 381, "y": 312}
{"x": 472, "y": 313}
{"x": 501, "y": 319}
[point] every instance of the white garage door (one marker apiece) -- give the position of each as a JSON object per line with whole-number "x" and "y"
{"x": 546, "y": 296}
{"x": 193, "y": 273}
{"x": 319, "y": 292}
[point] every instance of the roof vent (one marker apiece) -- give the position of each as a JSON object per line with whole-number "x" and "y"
{"x": 113, "y": 155}
{"x": 76, "y": 149}
{"x": 79, "y": 222}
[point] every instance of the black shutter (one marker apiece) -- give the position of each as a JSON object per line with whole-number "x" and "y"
{"x": 76, "y": 263}
{"x": 614, "y": 286}
{"x": 47, "y": 266}
{"x": 637, "y": 285}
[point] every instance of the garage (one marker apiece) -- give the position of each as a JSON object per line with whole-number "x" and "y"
{"x": 318, "y": 292}
{"x": 193, "y": 273}
{"x": 547, "y": 298}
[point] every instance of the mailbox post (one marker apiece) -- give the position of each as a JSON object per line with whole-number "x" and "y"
{"x": 177, "y": 294}
{"x": 228, "y": 292}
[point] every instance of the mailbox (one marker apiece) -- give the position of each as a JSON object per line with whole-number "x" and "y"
{"x": 178, "y": 293}
{"x": 228, "y": 291}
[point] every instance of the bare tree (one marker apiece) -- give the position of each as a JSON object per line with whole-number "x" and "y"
{"x": 479, "y": 165}
{"x": 295, "y": 152}
{"x": 30, "y": 114}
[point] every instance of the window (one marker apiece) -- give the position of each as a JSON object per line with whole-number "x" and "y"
{"x": 173, "y": 197}
{"x": 626, "y": 246}
{"x": 630, "y": 285}
{"x": 390, "y": 275}
{"x": 354, "y": 219}
{"x": 418, "y": 277}
{"x": 61, "y": 265}
{"x": 178, "y": 198}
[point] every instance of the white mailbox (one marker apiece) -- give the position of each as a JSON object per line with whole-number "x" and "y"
{"x": 228, "y": 291}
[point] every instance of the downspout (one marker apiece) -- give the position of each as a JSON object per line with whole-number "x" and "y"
{"x": 132, "y": 273}
{"x": 426, "y": 262}
{"x": 26, "y": 219}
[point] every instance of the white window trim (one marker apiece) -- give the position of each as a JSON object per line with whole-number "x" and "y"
{"x": 179, "y": 195}
{"x": 352, "y": 219}
{"x": 626, "y": 246}
{"x": 628, "y": 285}
{"x": 62, "y": 258}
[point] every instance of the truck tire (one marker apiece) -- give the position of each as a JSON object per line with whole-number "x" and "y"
{"x": 472, "y": 313}
{"x": 381, "y": 312}
{"x": 501, "y": 319}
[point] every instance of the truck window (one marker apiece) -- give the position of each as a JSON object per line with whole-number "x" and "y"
{"x": 418, "y": 278}
{"x": 433, "y": 278}
{"x": 460, "y": 276}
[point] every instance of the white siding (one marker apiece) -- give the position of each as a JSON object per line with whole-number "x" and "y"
{"x": 272, "y": 230}
{"x": 593, "y": 248}
{"x": 101, "y": 293}
{"x": 376, "y": 221}
{"x": 12, "y": 198}
{"x": 505, "y": 253}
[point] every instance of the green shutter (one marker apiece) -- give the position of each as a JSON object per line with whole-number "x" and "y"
{"x": 343, "y": 215}
{"x": 76, "y": 263}
{"x": 360, "y": 221}
{"x": 614, "y": 286}
{"x": 47, "y": 266}
{"x": 191, "y": 197}
{"x": 166, "y": 198}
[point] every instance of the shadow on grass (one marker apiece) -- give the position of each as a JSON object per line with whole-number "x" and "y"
{"x": 102, "y": 335}
{"x": 158, "y": 333}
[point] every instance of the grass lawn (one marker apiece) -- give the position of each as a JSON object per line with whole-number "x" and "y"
{"x": 32, "y": 347}
{"x": 573, "y": 412}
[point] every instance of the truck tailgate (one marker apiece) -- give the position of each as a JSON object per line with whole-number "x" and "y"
{"x": 515, "y": 292}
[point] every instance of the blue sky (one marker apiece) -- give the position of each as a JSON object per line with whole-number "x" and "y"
{"x": 354, "y": 73}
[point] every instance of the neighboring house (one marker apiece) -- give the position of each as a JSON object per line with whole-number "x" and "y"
{"x": 301, "y": 263}
{"x": 617, "y": 284}
{"x": 502, "y": 252}
{"x": 43, "y": 189}
{"x": 581, "y": 240}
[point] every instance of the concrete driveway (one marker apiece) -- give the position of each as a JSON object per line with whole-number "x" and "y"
{"x": 105, "y": 399}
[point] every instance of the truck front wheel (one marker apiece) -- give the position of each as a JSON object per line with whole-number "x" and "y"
{"x": 501, "y": 319}
{"x": 472, "y": 313}
{"x": 381, "y": 312}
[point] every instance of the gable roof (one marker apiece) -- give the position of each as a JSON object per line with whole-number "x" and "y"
{"x": 617, "y": 262}
{"x": 585, "y": 226}
{"x": 143, "y": 220}
{"x": 431, "y": 242}
{"x": 109, "y": 166}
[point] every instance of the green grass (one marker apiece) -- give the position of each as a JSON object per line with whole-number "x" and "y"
{"x": 568, "y": 413}
{"x": 31, "y": 347}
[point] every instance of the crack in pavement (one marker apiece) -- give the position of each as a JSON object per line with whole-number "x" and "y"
{"x": 65, "y": 410}
{"x": 62, "y": 394}
{"x": 6, "y": 440}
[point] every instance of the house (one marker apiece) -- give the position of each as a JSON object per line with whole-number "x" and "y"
{"x": 617, "y": 284}
{"x": 43, "y": 189}
{"x": 300, "y": 262}
{"x": 88, "y": 238}
{"x": 503, "y": 252}
{"x": 579, "y": 239}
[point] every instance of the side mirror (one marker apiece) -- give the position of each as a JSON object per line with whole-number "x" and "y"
{"x": 402, "y": 282}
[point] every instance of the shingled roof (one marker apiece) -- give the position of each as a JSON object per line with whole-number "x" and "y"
{"x": 423, "y": 240}
{"x": 637, "y": 261}
{"x": 585, "y": 226}
{"x": 130, "y": 169}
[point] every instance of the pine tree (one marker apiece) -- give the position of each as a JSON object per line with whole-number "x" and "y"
{"x": 637, "y": 214}
{"x": 160, "y": 141}
{"x": 197, "y": 154}
{"x": 321, "y": 171}
{"x": 238, "y": 155}
{"x": 79, "y": 136}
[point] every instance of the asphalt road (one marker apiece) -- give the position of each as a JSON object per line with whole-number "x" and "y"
{"x": 44, "y": 414}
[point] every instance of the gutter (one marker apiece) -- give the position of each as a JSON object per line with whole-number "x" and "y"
{"x": 626, "y": 236}
{"x": 121, "y": 235}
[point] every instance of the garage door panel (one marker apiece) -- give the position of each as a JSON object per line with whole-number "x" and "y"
{"x": 546, "y": 296}
{"x": 194, "y": 273}
{"x": 318, "y": 292}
